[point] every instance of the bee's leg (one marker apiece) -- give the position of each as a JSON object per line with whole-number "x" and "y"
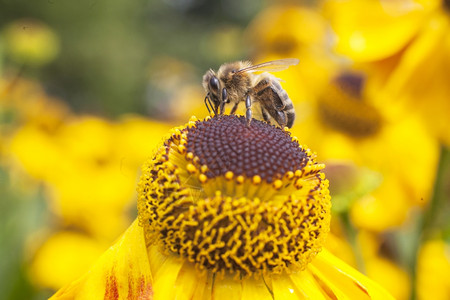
{"x": 221, "y": 108}
{"x": 248, "y": 106}
{"x": 265, "y": 115}
{"x": 233, "y": 110}
{"x": 281, "y": 118}
{"x": 209, "y": 105}
{"x": 224, "y": 101}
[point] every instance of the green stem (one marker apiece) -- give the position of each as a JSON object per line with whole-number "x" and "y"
{"x": 351, "y": 233}
{"x": 435, "y": 216}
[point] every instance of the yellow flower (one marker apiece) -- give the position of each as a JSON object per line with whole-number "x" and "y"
{"x": 31, "y": 42}
{"x": 28, "y": 103}
{"x": 227, "y": 211}
{"x": 381, "y": 268}
{"x": 345, "y": 124}
{"x": 369, "y": 30}
{"x": 375, "y": 265}
{"x": 88, "y": 169}
{"x": 91, "y": 153}
{"x": 406, "y": 47}
{"x": 288, "y": 30}
{"x": 390, "y": 276}
{"x": 433, "y": 281}
{"x": 62, "y": 258}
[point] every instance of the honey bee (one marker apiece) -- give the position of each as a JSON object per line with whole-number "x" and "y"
{"x": 236, "y": 82}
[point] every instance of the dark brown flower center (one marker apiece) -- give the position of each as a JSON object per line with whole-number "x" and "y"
{"x": 446, "y": 4}
{"x": 226, "y": 143}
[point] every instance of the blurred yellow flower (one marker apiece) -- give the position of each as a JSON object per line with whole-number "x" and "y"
{"x": 64, "y": 257}
{"x": 358, "y": 131}
{"x": 390, "y": 276}
{"x": 88, "y": 168}
{"x": 383, "y": 270}
{"x": 433, "y": 281}
{"x": 369, "y": 30}
{"x": 344, "y": 124}
{"x": 288, "y": 30}
{"x": 405, "y": 45}
{"x": 27, "y": 102}
{"x": 241, "y": 213}
{"x": 30, "y": 42}
{"x": 81, "y": 161}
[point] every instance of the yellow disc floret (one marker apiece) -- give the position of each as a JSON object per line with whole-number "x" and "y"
{"x": 237, "y": 199}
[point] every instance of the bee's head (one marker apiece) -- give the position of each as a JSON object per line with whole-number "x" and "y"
{"x": 211, "y": 84}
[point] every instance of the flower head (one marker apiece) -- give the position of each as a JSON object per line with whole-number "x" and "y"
{"x": 232, "y": 198}
{"x": 227, "y": 211}
{"x": 341, "y": 107}
{"x": 357, "y": 129}
{"x": 407, "y": 56}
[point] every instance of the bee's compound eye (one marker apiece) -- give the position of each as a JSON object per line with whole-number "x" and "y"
{"x": 214, "y": 84}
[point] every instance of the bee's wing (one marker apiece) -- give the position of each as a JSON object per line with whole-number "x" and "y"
{"x": 271, "y": 66}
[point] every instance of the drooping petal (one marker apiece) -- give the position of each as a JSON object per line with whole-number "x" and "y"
{"x": 122, "y": 272}
{"x": 284, "y": 288}
{"x": 166, "y": 277}
{"x": 255, "y": 289}
{"x": 342, "y": 279}
{"x": 307, "y": 285}
{"x": 226, "y": 289}
{"x": 189, "y": 280}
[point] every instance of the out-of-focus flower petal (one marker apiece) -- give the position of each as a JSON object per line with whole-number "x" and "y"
{"x": 122, "y": 272}
{"x": 280, "y": 29}
{"x": 390, "y": 276}
{"x": 433, "y": 281}
{"x": 371, "y": 30}
{"x": 69, "y": 254}
{"x": 420, "y": 79}
{"x": 255, "y": 289}
{"x": 31, "y": 42}
{"x": 378, "y": 213}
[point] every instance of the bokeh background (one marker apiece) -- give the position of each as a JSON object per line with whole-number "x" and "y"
{"x": 88, "y": 88}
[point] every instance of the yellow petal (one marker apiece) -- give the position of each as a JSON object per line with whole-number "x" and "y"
{"x": 433, "y": 281}
{"x": 426, "y": 49}
{"x": 226, "y": 288}
{"x": 307, "y": 285}
{"x": 64, "y": 257}
{"x": 327, "y": 285}
{"x": 189, "y": 282}
{"x": 349, "y": 281}
{"x": 284, "y": 288}
{"x": 164, "y": 279}
{"x": 390, "y": 276}
{"x": 156, "y": 259}
{"x": 204, "y": 287}
{"x": 371, "y": 30}
{"x": 123, "y": 270}
{"x": 255, "y": 289}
